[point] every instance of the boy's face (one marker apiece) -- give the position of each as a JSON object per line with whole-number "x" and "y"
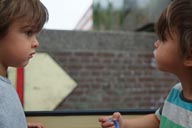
{"x": 18, "y": 46}
{"x": 167, "y": 55}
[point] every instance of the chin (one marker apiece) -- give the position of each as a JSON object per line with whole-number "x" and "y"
{"x": 23, "y": 64}
{"x": 162, "y": 69}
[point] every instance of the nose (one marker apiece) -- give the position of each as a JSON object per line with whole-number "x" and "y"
{"x": 35, "y": 43}
{"x": 156, "y": 44}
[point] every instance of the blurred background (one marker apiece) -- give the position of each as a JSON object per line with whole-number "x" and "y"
{"x": 95, "y": 55}
{"x": 115, "y": 15}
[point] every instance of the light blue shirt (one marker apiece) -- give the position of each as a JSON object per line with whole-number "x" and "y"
{"x": 11, "y": 111}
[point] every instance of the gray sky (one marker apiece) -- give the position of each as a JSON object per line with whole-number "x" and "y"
{"x": 65, "y": 14}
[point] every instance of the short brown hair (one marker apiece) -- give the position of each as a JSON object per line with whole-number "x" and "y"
{"x": 177, "y": 18}
{"x": 32, "y": 10}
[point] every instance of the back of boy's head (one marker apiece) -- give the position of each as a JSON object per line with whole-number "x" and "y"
{"x": 177, "y": 19}
{"x": 31, "y": 10}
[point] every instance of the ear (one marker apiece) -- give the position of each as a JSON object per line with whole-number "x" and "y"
{"x": 188, "y": 60}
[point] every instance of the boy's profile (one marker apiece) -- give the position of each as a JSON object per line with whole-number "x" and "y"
{"x": 172, "y": 53}
{"x": 20, "y": 21}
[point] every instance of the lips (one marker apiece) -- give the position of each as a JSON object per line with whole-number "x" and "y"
{"x": 154, "y": 52}
{"x": 31, "y": 55}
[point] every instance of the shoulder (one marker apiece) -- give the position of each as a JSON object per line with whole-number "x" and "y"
{"x": 176, "y": 89}
{"x": 174, "y": 92}
{"x": 178, "y": 86}
{"x": 4, "y": 82}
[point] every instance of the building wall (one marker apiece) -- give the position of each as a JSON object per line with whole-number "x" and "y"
{"x": 140, "y": 14}
{"x": 113, "y": 70}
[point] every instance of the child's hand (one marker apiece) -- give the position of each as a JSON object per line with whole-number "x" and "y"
{"x": 106, "y": 122}
{"x": 34, "y": 125}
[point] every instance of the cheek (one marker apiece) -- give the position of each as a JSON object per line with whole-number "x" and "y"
{"x": 166, "y": 60}
{"x": 16, "y": 55}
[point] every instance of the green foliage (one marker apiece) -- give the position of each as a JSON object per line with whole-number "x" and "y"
{"x": 107, "y": 19}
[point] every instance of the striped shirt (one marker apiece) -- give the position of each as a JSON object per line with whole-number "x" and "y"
{"x": 176, "y": 111}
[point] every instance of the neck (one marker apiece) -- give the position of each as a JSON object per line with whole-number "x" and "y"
{"x": 3, "y": 70}
{"x": 186, "y": 83}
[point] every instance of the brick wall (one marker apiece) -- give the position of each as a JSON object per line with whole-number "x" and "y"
{"x": 113, "y": 70}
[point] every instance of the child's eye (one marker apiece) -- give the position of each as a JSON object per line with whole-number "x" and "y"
{"x": 29, "y": 33}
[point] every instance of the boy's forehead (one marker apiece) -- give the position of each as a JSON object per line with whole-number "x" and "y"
{"x": 22, "y": 22}
{"x": 19, "y": 25}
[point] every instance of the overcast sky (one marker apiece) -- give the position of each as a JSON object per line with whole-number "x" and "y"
{"x": 65, "y": 14}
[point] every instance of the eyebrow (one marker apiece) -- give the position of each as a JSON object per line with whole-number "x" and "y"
{"x": 28, "y": 26}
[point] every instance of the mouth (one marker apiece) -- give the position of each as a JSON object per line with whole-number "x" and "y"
{"x": 154, "y": 52}
{"x": 153, "y": 63}
{"x": 31, "y": 55}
